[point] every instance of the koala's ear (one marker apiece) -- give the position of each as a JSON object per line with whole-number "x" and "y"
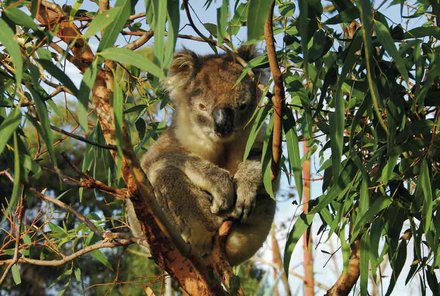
{"x": 185, "y": 64}
{"x": 247, "y": 52}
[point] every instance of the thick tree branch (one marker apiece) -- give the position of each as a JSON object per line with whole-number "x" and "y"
{"x": 279, "y": 96}
{"x": 349, "y": 277}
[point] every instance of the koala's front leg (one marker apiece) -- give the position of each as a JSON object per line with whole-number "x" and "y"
{"x": 205, "y": 175}
{"x": 248, "y": 179}
{"x": 216, "y": 181}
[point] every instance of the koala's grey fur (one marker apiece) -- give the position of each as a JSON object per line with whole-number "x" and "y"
{"x": 197, "y": 165}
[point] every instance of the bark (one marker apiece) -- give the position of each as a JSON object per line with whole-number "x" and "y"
{"x": 279, "y": 95}
{"x": 309, "y": 281}
{"x": 349, "y": 277}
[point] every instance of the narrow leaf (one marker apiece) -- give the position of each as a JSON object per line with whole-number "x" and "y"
{"x": 126, "y": 56}
{"x": 425, "y": 184}
{"x": 300, "y": 226}
{"x": 102, "y": 258}
{"x": 84, "y": 93}
{"x": 8, "y": 126}
{"x": 19, "y": 17}
{"x": 112, "y": 31}
{"x": 292, "y": 144}
{"x": 101, "y": 21}
{"x": 8, "y": 40}
{"x": 222, "y": 21}
{"x": 16, "y": 274}
{"x": 59, "y": 75}
{"x": 257, "y": 15}
{"x": 386, "y": 39}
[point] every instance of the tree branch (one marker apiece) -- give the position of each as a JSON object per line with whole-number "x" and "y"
{"x": 68, "y": 208}
{"x": 75, "y": 255}
{"x": 279, "y": 96}
{"x": 167, "y": 246}
{"x": 18, "y": 214}
{"x": 349, "y": 277}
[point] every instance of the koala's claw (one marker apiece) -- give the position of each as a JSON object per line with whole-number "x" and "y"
{"x": 243, "y": 207}
{"x": 223, "y": 199}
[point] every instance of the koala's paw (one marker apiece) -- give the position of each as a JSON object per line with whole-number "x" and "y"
{"x": 222, "y": 192}
{"x": 247, "y": 179}
{"x": 246, "y": 199}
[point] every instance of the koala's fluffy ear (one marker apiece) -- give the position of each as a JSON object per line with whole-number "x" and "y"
{"x": 183, "y": 67}
{"x": 247, "y": 52}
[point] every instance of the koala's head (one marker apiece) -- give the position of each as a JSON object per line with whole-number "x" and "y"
{"x": 207, "y": 96}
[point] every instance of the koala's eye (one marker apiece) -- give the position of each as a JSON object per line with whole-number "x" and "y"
{"x": 202, "y": 107}
{"x": 242, "y": 106}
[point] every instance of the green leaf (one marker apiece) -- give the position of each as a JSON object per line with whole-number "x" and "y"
{"x": 59, "y": 75}
{"x": 303, "y": 28}
{"x": 425, "y": 184}
{"x": 388, "y": 169}
{"x": 364, "y": 199}
{"x": 8, "y": 40}
{"x": 13, "y": 201}
{"x": 257, "y": 15}
{"x": 85, "y": 87}
{"x": 126, "y": 56}
{"x": 302, "y": 223}
{"x": 365, "y": 9}
{"x": 421, "y": 32}
{"x": 102, "y": 258}
{"x": 112, "y": 31}
{"x": 293, "y": 149}
{"x": 19, "y": 17}
{"x": 173, "y": 30}
{"x": 258, "y": 123}
{"x": 16, "y": 274}
{"x": 266, "y": 159}
{"x": 397, "y": 263}
{"x": 43, "y": 116}
{"x": 222, "y": 21}
{"x": 160, "y": 17}
{"x": 386, "y": 39}
{"x": 77, "y": 273}
{"x": 8, "y": 126}
{"x": 101, "y": 21}
{"x": 378, "y": 205}
{"x": 118, "y": 107}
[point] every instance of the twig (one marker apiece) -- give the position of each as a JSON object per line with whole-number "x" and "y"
{"x": 146, "y": 36}
{"x": 68, "y": 208}
{"x": 14, "y": 260}
{"x": 194, "y": 27}
{"x": 279, "y": 96}
{"x": 83, "y": 139}
{"x": 68, "y": 258}
{"x": 90, "y": 182}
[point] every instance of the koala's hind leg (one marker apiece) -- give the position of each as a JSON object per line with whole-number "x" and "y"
{"x": 246, "y": 238}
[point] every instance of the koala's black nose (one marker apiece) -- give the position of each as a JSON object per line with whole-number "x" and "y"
{"x": 223, "y": 120}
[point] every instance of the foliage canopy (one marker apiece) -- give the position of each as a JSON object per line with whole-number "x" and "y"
{"x": 362, "y": 89}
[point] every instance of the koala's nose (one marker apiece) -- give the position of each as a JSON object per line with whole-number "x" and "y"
{"x": 223, "y": 120}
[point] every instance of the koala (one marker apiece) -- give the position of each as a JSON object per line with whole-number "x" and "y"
{"x": 196, "y": 166}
